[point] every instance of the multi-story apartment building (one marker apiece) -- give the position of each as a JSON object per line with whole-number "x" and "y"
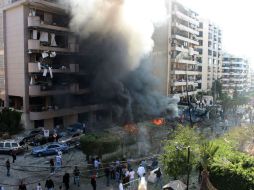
{"x": 251, "y": 79}
{"x": 2, "y": 81}
{"x": 175, "y": 51}
{"x": 235, "y": 74}
{"x": 44, "y": 77}
{"x": 210, "y": 54}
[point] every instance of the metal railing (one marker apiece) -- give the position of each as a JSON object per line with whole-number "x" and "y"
{"x": 132, "y": 185}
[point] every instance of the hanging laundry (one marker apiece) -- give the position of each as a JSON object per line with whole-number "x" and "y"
{"x": 44, "y": 37}
{"x": 32, "y": 81}
{"x": 44, "y": 54}
{"x": 53, "y": 54}
{"x": 45, "y": 72}
{"x": 53, "y": 39}
{"x": 50, "y": 72}
{"x": 39, "y": 66}
{"x": 35, "y": 34}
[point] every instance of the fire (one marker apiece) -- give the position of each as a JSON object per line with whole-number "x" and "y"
{"x": 131, "y": 128}
{"x": 158, "y": 121}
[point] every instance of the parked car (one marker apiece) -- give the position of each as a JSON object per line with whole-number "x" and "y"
{"x": 72, "y": 139}
{"x": 77, "y": 127}
{"x": 49, "y": 149}
{"x": 7, "y": 146}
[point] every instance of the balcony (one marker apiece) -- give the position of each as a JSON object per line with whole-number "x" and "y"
{"x": 35, "y": 22}
{"x": 183, "y": 61}
{"x": 182, "y": 49}
{"x": 54, "y": 112}
{"x": 38, "y": 90}
{"x": 185, "y": 28}
{"x": 36, "y": 45}
{"x": 176, "y": 36}
{"x": 185, "y": 17}
{"x": 73, "y": 68}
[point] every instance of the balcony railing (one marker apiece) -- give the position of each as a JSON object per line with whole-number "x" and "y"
{"x": 36, "y": 45}
{"x": 53, "y": 111}
{"x": 35, "y": 21}
{"x": 40, "y": 90}
{"x": 73, "y": 68}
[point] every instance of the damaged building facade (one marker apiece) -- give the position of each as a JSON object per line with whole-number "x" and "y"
{"x": 44, "y": 78}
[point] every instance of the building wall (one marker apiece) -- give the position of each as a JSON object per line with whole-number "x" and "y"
{"x": 235, "y": 74}
{"x": 14, "y": 25}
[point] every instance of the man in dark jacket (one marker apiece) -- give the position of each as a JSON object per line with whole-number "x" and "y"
{"x": 49, "y": 184}
{"x": 8, "y": 166}
{"x": 66, "y": 181}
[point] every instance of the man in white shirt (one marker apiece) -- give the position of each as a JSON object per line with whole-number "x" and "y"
{"x": 141, "y": 171}
{"x": 132, "y": 174}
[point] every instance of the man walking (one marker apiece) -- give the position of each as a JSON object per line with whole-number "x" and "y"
{"x": 141, "y": 171}
{"x": 52, "y": 166}
{"x": 107, "y": 174}
{"x": 66, "y": 181}
{"x": 76, "y": 174}
{"x": 49, "y": 184}
{"x": 93, "y": 181}
{"x": 158, "y": 176}
{"x": 14, "y": 156}
{"x": 8, "y": 166}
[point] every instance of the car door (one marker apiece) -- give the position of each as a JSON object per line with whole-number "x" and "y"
{"x": 7, "y": 147}
{"x": 1, "y": 147}
{"x": 51, "y": 149}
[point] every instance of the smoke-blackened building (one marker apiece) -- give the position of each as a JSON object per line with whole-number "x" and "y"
{"x": 43, "y": 73}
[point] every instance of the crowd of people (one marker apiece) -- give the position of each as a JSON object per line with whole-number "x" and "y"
{"x": 119, "y": 173}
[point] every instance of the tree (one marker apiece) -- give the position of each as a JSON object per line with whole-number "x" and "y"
{"x": 216, "y": 89}
{"x": 175, "y": 154}
{"x": 99, "y": 144}
{"x": 207, "y": 154}
{"x": 10, "y": 121}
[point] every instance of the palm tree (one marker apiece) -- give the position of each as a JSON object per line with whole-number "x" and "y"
{"x": 207, "y": 153}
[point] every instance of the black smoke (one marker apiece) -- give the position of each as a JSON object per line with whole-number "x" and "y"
{"x": 131, "y": 93}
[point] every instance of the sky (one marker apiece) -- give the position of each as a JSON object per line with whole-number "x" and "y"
{"x": 235, "y": 18}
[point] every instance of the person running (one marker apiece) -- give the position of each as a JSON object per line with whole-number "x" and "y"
{"x": 49, "y": 184}
{"x": 93, "y": 181}
{"x": 8, "y": 166}
{"x": 66, "y": 181}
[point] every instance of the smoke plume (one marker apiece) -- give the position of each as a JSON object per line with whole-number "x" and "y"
{"x": 117, "y": 38}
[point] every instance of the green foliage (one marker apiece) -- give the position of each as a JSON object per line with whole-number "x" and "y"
{"x": 174, "y": 158}
{"x": 207, "y": 153}
{"x": 230, "y": 168}
{"x": 10, "y": 121}
{"x": 216, "y": 88}
{"x": 99, "y": 144}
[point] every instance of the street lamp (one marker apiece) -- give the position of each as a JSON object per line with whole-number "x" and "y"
{"x": 180, "y": 147}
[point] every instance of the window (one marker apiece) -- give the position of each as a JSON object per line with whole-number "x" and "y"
{"x": 7, "y": 145}
{"x": 1, "y": 145}
{"x": 14, "y": 145}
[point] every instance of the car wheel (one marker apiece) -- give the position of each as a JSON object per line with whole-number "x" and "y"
{"x": 39, "y": 154}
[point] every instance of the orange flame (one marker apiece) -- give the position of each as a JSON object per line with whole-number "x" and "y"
{"x": 131, "y": 128}
{"x": 158, "y": 121}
